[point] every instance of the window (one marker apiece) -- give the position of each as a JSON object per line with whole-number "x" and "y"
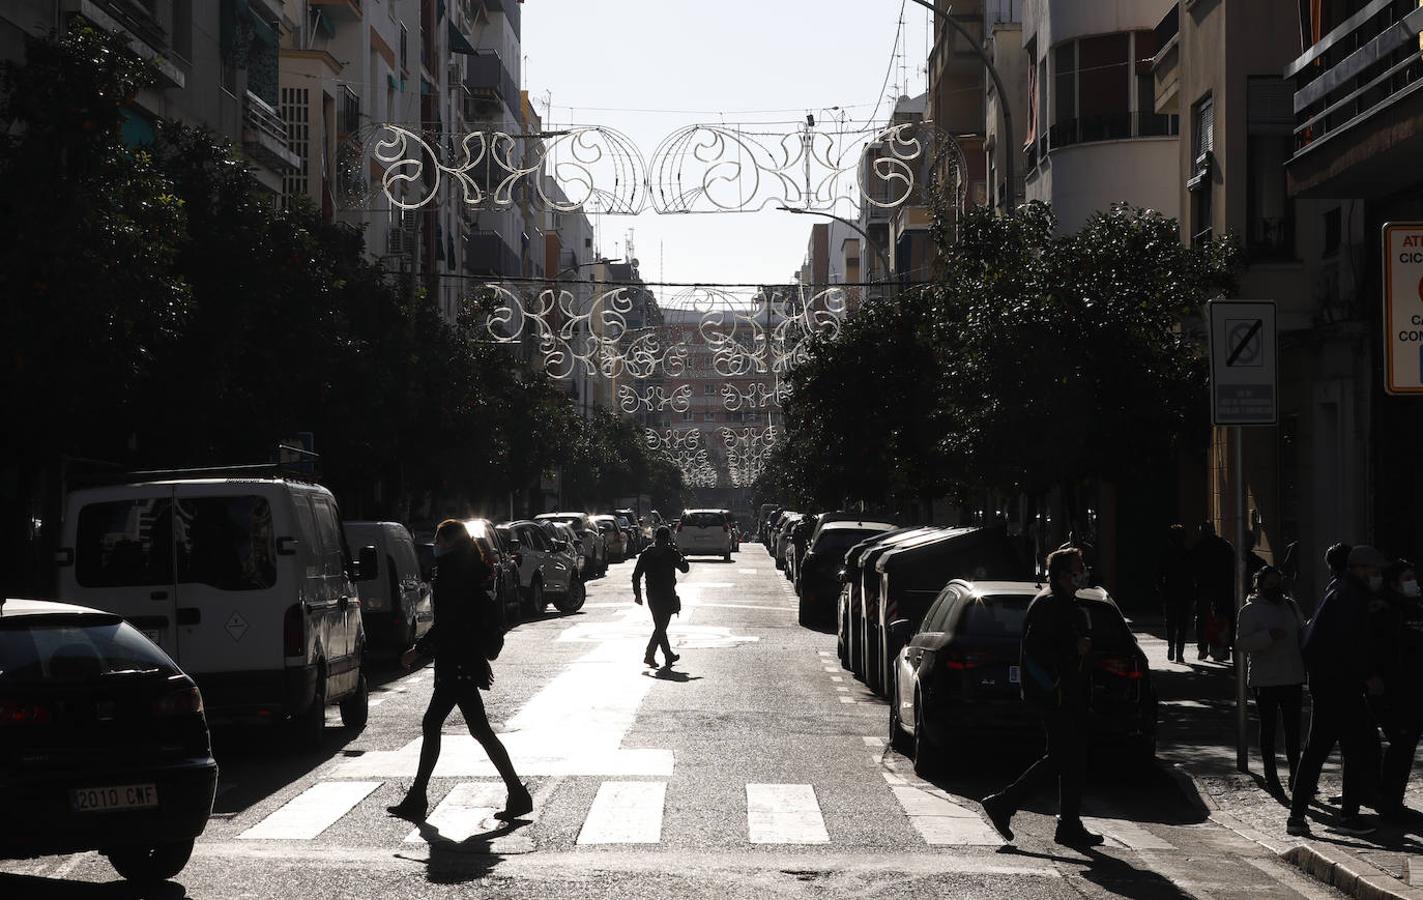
{"x": 1103, "y": 90}
{"x": 226, "y": 543}
{"x": 1001, "y": 616}
{"x": 1203, "y": 133}
{"x": 1202, "y": 143}
{"x": 709, "y": 417}
{"x": 76, "y": 650}
{"x": 1064, "y": 89}
{"x": 1269, "y": 145}
{"x": 125, "y": 543}
{"x": 709, "y": 389}
{"x": 1104, "y": 87}
{"x": 687, "y": 416}
{"x": 404, "y": 48}
{"x": 333, "y": 546}
{"x": 938, "y": 614}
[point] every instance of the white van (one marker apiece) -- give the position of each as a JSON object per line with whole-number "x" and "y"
{"x": 395, "y": 601}
{"x": 245, "y": 582}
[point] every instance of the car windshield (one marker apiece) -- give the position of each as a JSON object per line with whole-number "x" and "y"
{"x": 575, "y": 522}
{"x": 703, "y": 520}
{"x": 70, "y": 649}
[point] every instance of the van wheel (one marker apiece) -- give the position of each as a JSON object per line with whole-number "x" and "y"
{"x": 156, "y": 863}
{"x": 356, "y": 706}
{"x": 311, "y": 726}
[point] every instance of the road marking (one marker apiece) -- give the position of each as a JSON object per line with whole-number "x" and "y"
{"x": 823, "y": 652}
{"x": 311, "y": 812}
{"x": 846, "y": 699}
{"x": 875, "y": 741}
{"x": 463, "y": 810}
{"x": 374, "y": 703}
{"x": 1129, "y": 834}
{"x": 940, "y": 821}
{"x": 832, "y": 668}
{"x": 836, "y": 678}
{"x": 625, "y": 812}
{"x": 784, "y": 814}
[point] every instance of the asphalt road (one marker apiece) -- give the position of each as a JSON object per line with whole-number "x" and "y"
{"x": 755, "y": 768}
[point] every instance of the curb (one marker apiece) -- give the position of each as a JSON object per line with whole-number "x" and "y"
{"x": 1325, "y": 864}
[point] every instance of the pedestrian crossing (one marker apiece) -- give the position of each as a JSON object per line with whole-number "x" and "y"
{"x": 634, "y": 813}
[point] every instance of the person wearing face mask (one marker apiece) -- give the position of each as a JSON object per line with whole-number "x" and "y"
{"x": 1056, "y": 660}
{"x": 1338, "y": 658}
{"x": 1269, "y": 632}
{"x": 1397, "y": 630}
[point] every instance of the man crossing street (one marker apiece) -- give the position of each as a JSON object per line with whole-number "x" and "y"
{"x": 660, "y": 564}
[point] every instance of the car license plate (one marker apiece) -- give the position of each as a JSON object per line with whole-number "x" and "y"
{"x": 1015, "y": 675}
{"x": 103, "y": 799}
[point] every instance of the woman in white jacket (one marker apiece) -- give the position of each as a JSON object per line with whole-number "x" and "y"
{"x": 1269, "y": 631}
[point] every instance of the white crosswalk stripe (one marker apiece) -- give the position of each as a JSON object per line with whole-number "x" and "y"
{"x": 468, "y": 809}
{"x": 784, "y": 814}
{"x": 941, "y": 821}
{"x": 625, "y": 812}
{"x": 312, "y": 812}
{"x": 1128, "y": 834}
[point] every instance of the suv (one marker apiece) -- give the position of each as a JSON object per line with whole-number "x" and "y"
{"x": 595, "y": 553}
{"x": 614, "y": 537}
{"x": 704, "y": 532}
{"x": 545, "y": 572}
{"x": 247, "y": 583}
{"x": 500, "y": 555}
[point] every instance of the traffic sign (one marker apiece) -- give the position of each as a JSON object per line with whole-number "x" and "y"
{"x": 1244, "y": 371}
{"x": 1403, "y": 307}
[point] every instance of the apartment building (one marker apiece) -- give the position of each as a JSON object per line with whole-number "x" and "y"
{"x": 217, "y": 65}
{"x": 1092, "y": 134}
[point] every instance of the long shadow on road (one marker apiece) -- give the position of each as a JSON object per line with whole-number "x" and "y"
{"x": 31, "y": 887}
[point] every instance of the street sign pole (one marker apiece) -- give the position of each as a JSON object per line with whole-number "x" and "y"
{"x": 1244, "y": 392}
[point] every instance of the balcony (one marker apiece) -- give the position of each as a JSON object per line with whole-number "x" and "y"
{"x": 1166, "y": 65}
{"x": 486, "y": 82}
{"x": 346, "y": 10}
{"x": 264, "y": 135}
{"x": 1362, "y": 82}
{"x": 485, "y": 253}
{"x": 1112, "y": 127}
{"x": 148, "y": 39}
{"x": 348, "y": 120}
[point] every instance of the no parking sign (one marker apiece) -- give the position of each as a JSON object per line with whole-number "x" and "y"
{"x": 1403, "y": 307}
{"x": 1243, "y": 362}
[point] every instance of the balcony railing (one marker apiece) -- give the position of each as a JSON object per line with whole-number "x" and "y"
{"x": 487, "y": 79}
{"x": 485, "y": 253}
{"x": 1112, "y": 127}
{"x": 1370, "y": 60}
{"x": 264, "y": 134}
{"x": 137, "y": 20}
{"x": 349, "y": 121}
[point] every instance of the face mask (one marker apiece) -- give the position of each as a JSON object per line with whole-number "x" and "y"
{"x": 1375, "y": 583}
{"x": 1410, "y": 589}
{"x": 1079, "y": 580}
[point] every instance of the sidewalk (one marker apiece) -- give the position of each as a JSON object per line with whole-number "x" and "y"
{"x": 1197, "y": 736}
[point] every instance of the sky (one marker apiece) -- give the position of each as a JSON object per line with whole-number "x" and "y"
{"x": 649, "y": 67}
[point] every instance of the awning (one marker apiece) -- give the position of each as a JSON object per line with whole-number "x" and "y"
{"x": 391, "y": 82}
{"x": 458, "y": 42}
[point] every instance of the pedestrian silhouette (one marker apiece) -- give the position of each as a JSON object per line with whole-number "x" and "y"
{"x": 466, "y": 634}
{"x": 659, "y": 564}
{"x": 1056, "y": 662}
{"x": 1270, "y": 632}
{"x": 1177, "y": 585}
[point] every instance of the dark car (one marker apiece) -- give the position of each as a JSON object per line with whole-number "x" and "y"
{"x": 957, "y": 679}
{"x": 818, "y": 571}
{"x": 103, "y": 743}
{"x": 847, "y": 606}
{"x": 500, "y": 555}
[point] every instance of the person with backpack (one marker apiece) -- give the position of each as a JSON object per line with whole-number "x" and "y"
{"x": 659, "y": 564}
{"x": 466, "y": 635}
{"x": 1056, "y": 681}
{"x": 1269, "y": 631}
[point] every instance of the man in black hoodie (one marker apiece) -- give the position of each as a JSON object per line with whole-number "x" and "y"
{"x": 1341, "y": 669}
{"x": 1056, "y": 666}
{"x": 466, "y": 634}
{"x": 659, "y": 564}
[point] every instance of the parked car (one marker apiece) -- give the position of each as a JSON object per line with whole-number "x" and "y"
{"x": 498, "y": 553}
{"x": 733, "y": 530}
{"x": 848, "y": 604}
{"x": 763, "y": 513}
{"x": 912, "y": 574}
{"x": 105, "y": 744}
{"x": 817, "y": 573}
{"x": 704, "y": 532}
{"x": 782, "y": 538}
{"x": 563, "y": 545}
{"x": 547, "y": 573}
{"x": 247, "y": 583}
{"x": 614, "y": 538}
{"x": 595, "y": 552}
{"x": 796, "y": 543}
{"x": 627, "y": 520}
{"x": 769, "y": 528}
{"x": 957, "y": 679}
{"x": 562, "y": 531}
{"x": 867, "y": 609}
{"x": 396, "y": 602}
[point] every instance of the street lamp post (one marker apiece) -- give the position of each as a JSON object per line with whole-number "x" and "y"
{"x": 1009, "y": 163}
{"x": 883, "y": 257}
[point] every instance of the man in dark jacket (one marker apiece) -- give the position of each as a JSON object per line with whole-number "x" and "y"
{"x": 1337, "y": 656}
{"x": 660, "y": 564}
{"x": 1396, "y": 641}
{"x": 466, "y": 633}
{"x": 1056, "y": 662}
{"x": 1213, "y": 564}
{"x": 1177, "y": 584}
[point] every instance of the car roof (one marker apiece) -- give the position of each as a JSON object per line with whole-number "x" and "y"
{"x": 687, "y": 512}
{"x": 1000, "y": 588}
{"x": 853, "y": 525}
{"x": 559, "y": 515}
{"x": 14, "y": 607}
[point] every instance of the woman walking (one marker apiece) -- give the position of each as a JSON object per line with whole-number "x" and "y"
{"x": 466, "y": 634}
{"x": 1269, "y": 632}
